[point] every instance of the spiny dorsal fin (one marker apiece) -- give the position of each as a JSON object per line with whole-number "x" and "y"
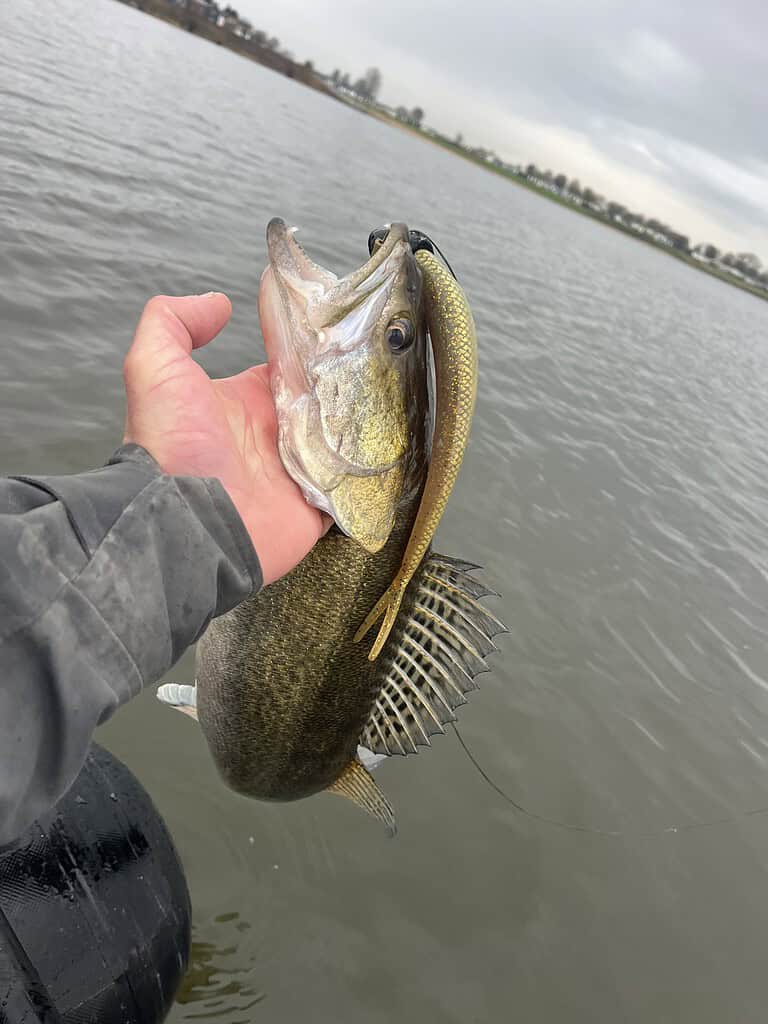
{"x": 443, "y": 646}
{"x": 356, "y": 783}
{"x": 181, "y": 696}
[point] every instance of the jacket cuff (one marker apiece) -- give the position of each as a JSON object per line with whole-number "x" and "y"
{"x": 94, "y": 502}
{"x": 226, "y": 527}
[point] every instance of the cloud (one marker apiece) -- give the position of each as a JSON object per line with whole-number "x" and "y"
{"x": 653, "y": 63}
{"x": 648, "y": 156}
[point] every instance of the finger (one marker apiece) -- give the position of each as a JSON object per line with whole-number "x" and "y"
{"x": 178, "y": 323}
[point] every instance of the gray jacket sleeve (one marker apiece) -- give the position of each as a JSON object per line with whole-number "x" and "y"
{"x": 106, "y": 578}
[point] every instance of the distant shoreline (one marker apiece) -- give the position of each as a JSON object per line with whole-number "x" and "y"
{"x": 684, "y": 257}
{"x": 191, "y": 21}
{"x": 197, "y": 24}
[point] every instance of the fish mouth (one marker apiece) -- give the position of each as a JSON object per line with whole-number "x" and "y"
{"x": 330, "y": 392}
{"x": 291, "y": 264}
{"x": 297, "y": 273}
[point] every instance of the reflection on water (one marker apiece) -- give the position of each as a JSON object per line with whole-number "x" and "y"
{"x": 219, "y": 980}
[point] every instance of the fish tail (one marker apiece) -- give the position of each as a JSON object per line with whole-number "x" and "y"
{"x": 388, "y": 605}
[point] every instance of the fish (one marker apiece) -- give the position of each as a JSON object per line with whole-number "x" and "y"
{"x": 290, "y": 700}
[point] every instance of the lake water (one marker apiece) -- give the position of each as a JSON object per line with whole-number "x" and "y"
{"x": 616, "y": 490}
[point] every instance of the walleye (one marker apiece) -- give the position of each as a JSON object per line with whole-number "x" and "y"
{"x": 290, "y": 701}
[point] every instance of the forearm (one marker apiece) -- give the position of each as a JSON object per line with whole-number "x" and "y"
{"x": 109, "y": 577}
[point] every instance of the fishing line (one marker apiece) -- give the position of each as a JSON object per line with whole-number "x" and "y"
{"x": 689, "y": 827}
{"x": 419, "y": 240}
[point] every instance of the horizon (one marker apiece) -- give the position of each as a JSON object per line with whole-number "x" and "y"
{"x": 667, "y": 150}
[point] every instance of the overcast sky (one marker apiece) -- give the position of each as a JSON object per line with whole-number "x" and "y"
{"x": 660, "y": 104}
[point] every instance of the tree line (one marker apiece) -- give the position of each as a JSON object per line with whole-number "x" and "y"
{"x": 744, "y": 264}
{"x": 228, "y": 17}
{"x": 367, "y": 89}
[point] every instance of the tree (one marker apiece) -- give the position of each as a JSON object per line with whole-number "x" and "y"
{"x": 750, "y": 259}
{"x": 372, "y": 83}
{"x": 417, "y": 116}
{"x": 345, "y": 81}
{"x": 748, "y": 263}
{"x": 459, "y": 140}
{"x": 368, "y": 86}
{"x": 531, "y": 171}
{"x": 561, "y": 181}
{"x": 336, "y": 76}
{"x": 588, "y": 195}
{"x": 709, "y": 252}
{"x": 575, "y": 188}
{"x": 401, "y": 114}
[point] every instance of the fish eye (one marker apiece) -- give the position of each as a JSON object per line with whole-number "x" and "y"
{"x": 400, "y": 334}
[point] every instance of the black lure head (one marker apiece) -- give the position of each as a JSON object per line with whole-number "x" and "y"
{"x": 417, "y": 239}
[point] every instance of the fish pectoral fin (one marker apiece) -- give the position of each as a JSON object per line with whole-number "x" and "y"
{"x": 388, "y": 605}
{"x": 181, "y": 696}
{"x": 356, "y": 784}
{"x": 443, "y": 645}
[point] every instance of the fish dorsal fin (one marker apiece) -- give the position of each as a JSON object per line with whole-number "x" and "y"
{"x": 443, "y": 645}
{"x": 181, "y": 696}
{"x": 356, "y": 784}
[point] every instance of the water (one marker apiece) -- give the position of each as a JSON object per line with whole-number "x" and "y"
{"x": 616, "y": 490}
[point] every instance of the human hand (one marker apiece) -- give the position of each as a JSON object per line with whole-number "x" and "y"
{"x": 195, "y": 426}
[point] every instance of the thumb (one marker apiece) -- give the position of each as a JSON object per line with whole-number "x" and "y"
{"x": 169, "y": 328}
